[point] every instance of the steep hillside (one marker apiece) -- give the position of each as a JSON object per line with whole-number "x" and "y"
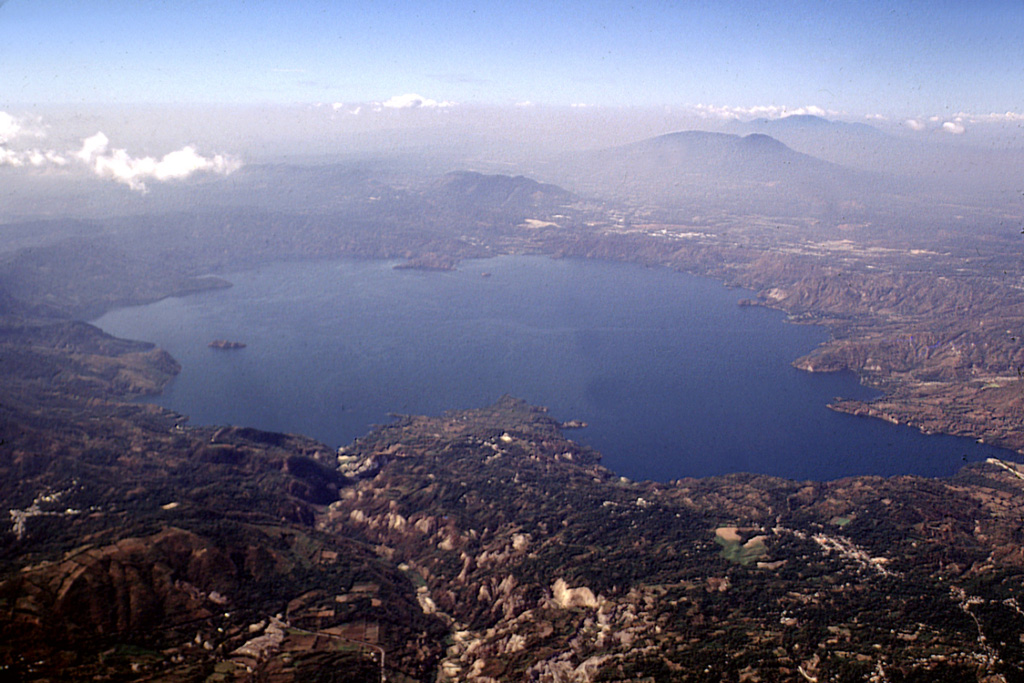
{"x": 480, "y": 545}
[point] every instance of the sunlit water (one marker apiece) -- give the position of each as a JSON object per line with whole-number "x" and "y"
{"x": 674, "y": 378}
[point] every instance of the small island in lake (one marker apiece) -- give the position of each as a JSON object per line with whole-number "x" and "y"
{"x": 225, "y": 344}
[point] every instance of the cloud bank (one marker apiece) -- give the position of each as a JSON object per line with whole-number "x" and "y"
{"x": 112, "y": 164}
{"x": 770, "y": 111}
{"x": 9, "y": 127}
{"x": 414, "y": 101}
{"x": 118, "y": 165}
{"x": 994, "y": 117}
{"x": 954, "y": 127}
{"x": 31, "y": 157}
{"x": 12, "y": 128}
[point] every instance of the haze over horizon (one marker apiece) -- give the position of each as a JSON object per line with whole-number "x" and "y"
{"x": 140, "y": 94}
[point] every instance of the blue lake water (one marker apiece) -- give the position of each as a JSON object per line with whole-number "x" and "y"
{"x": 674, "y": 378}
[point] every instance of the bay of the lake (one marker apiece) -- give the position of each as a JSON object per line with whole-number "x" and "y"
{"x": 674, "y": 378}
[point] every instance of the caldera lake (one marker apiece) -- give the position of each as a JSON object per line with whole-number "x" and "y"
{"x": 673, "y": 377}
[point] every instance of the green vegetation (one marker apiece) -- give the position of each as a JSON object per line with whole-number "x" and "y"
{"x": 740, "y": 552}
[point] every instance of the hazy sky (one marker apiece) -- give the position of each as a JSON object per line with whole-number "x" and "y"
{"x": 855, "y": 59}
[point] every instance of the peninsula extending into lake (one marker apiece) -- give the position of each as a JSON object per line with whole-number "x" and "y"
{"x": 673, "y": 378}
{"x": 480, "y": 544}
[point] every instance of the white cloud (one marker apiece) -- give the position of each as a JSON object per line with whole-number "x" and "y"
{"x": 810, "y": 110}
{"x": 9, "y": 127}
{"x": 711, "y": 111}
{"x": 186, "y": 161}
{"x": 31, "y": 157}
{"x": 769, "y": 111}
{"x": 115, "y": 164}
{"x": 118, "y": 165}
{"x": 92, "y": 146}
{"x": 414, "y": 101}
{"x": 11, "y": 158}
{"x": 43, "y": 158}
{"x": 1005, "y": 117}
{"x": 957, "y": 125}
{"x": 876, "y": 117}
{"x": 342, "y": 107}
{"x": 12, "y": 127}
{"x": 525, "y": 103}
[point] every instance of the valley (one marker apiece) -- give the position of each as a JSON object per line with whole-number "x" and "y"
{"x": 483, "y": 544}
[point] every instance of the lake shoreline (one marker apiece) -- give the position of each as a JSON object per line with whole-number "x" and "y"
{"x": 604, "y": 391}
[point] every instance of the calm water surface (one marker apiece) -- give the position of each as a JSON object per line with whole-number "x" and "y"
{"x": 673, "y": 377}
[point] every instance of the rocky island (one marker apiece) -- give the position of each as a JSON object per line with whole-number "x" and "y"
{"x": 226, "y": 345}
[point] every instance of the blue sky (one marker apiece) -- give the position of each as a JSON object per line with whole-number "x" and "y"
{"x": 908, "y": 59}
{"x": 537, "y": 74}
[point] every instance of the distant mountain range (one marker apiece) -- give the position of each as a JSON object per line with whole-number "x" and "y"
{"x": 853, "y": 144}
{"x": 752, "y": 173}
{"x": 752, "y": 158}
{"x": 803, "y": 124}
